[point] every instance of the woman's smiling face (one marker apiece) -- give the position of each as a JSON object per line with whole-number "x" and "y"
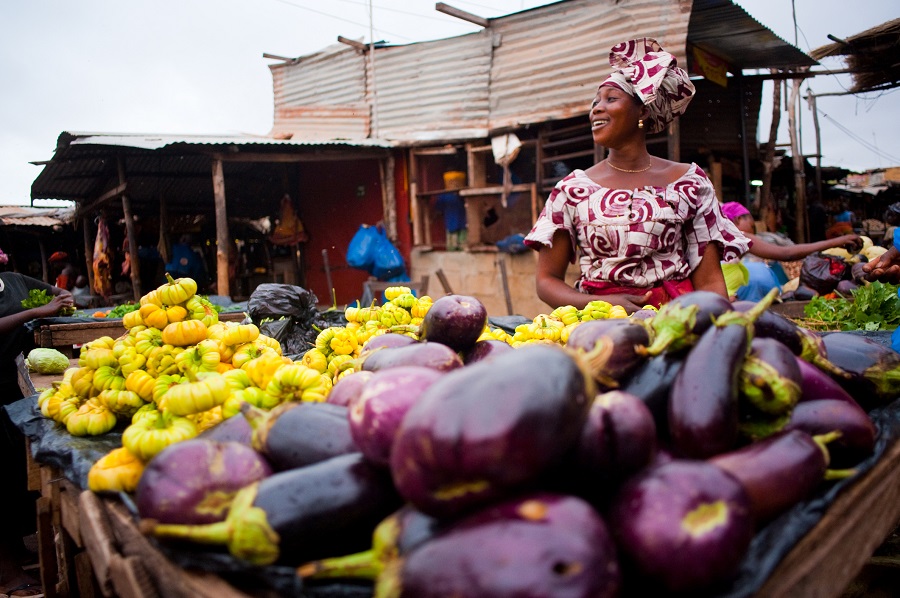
{"x": 614, "y": 115}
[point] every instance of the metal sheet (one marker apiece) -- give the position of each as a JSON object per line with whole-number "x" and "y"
{"x": 550, "y": 60}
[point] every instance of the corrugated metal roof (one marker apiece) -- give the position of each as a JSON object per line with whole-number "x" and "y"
{"x": 322, "y": 96}
{"x": 28, "y": 216}
{"x": 178, "y": 167}
{"x": 527, "y": 67}
{"x": 728, "y": 31}
{"x": 434, "y": 90}
{"x": 550, "y": 60}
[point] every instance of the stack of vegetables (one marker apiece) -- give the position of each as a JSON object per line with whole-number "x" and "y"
{"x": 645, "y": 453}
{"x": 175, "y": 372}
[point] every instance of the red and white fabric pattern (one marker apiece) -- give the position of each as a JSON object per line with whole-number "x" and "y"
{"x": 645, "y": 70}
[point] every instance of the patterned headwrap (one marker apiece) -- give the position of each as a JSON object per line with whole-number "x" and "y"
{"x": 644, "y": 70}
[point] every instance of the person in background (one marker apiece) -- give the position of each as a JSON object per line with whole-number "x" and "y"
{"x": 761, "y": 277}
{"x": 453, "y": 207}
{"x": 643, "y": 229}
{"x": 65, "y": 277}
{"x": 187, "y": 262}
{"x": 886, "y": 267}
{"x": 817, "y": 220}
{"x": 19, "y": 514}
{"x": 81, "y": 293}
{"x": 843, "y": 225}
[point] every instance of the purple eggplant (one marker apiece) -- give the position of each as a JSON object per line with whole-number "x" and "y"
{"x": 327, "y": 509}
{"x": 816, "y": 384}
{"x": 770, "y": 378}
{"x": 234, "y": 429}
{"x": 801, "y": 341}
{"x": 618, "y": 439}
{"x": 485, "y": 350}
{"x": 454, "y": 320}
{"x": 652, "y": 382}
{"x": 681, "y": 321}
{"x": 777, "y": 472}
{"x": 857, "y": 432}
{"x": 377, "y": 413}
{"x": 490, "y": 428}
{"x": 387, "y": 340}
{"x": 194, "y": 481}
{"x": 683, "y": 525}
{"x": 703, "y": 405}
{"x": 297, "y": 434}
{"x": 873, "y": 368}
{"x": 348, "y": 388}
{"x": 613, "y": 348}
{"x": 534, "y": 546}
{"x": 433, "y": 355}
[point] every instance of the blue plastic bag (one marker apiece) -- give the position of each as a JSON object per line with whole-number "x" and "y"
{"x": 388, "y": 262}
{"x": 361, "y": 251}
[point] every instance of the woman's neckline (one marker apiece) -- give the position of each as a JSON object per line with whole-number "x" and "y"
{"x": 692, "y": 167}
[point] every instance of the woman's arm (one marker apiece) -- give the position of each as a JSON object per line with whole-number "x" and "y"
{"x": 708, "y": 275}
{"x": 787, "y": 253}
{"x": 10, "y": 323}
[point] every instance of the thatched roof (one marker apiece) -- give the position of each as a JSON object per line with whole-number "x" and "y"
{"x": 870, "y": 55}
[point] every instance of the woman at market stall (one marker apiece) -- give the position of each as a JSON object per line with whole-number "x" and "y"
{"x": 644, "y": 229}
{"x": 19, "y": 510}
{"x": 761, "y": 277}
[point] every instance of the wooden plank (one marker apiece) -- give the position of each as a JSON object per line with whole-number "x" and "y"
{"x": 222, "y": 238}
{"x": 49, "y": 571}
{"x": 69, "y": 511}
{"x": 827, "y": 559}
{"x": 176, "y": 582}
{"x": 130, "y": 579}
{"x": 34, "y": 469}
{"x": 97, "y": 536}
{"x": 86, "y": 585}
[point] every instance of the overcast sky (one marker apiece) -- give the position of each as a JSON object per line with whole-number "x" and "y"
{"x": 196, "y": 66}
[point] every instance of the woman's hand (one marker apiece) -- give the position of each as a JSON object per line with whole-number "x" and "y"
{"x": 631, "y": 303}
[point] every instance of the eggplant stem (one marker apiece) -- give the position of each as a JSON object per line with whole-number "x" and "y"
{"x": 670, "y": 326}
{"x": 361, "y": 565}
{"x": 254, "y": 415}
{"x": 839, "y": 474}
{"x": 210, "y": 533}
{"x": 823, "y": 439}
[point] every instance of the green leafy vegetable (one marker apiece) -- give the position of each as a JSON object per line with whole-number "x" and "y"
{"x": 874, "y": 306}
{"x": 120, "y": 310}
{"x": 39, "y": 297}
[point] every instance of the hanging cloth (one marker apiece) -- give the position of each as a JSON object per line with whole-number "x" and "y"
{"x": 289, "y": 229}
{"x": 102, "y": 260}
{"x": 505, "y": 149}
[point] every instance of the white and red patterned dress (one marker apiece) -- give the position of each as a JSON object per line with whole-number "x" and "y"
{"x": 641, "y": 237}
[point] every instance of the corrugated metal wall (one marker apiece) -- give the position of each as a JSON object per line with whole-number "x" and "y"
{"x": 528, "y": 67}
{"x": 322, "y": 96}
{"x": 549, "y": 62}
{"x": 433, "y": 90}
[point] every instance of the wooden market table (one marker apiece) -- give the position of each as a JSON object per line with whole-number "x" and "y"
{"x": 63, "y": 336}
{"x": 90, "y": 545}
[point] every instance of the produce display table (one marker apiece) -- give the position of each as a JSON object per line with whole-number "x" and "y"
{"x": 59, "y": 334}
{"x": 90, "y": 545}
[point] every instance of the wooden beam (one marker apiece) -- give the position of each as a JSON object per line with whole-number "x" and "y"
{"x": 376, "y": 154}
{"x": 109, "y": 195}
{"x": 135, "y": 265}
{"x": 353, "y": 43}
{"x": 388, "y": 198}
{"x": 222, "y": 237}
{"x": 461, "y": 14}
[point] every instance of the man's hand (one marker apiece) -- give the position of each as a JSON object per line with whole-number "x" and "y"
{"x": 885, "y": 267}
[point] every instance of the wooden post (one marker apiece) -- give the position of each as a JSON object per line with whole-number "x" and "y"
{"x": 388, "y": 196}
{"x": 45, "y": 274}
{"x": 88, "y": 251}
{"x": 132, "y": 238}
{"x": 222, "y": 238}
{"x": 768, "y": 163}
{"x": 163, "y": 245}
{"x": 799, "y": 175}
{"x": 815, "y": 113}
{"x": 673, "y": 141}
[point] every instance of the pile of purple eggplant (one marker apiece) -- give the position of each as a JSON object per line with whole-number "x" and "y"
{"x": 643, "y": 456}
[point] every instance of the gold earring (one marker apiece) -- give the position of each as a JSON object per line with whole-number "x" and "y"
{"x": 640, "y": 123}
